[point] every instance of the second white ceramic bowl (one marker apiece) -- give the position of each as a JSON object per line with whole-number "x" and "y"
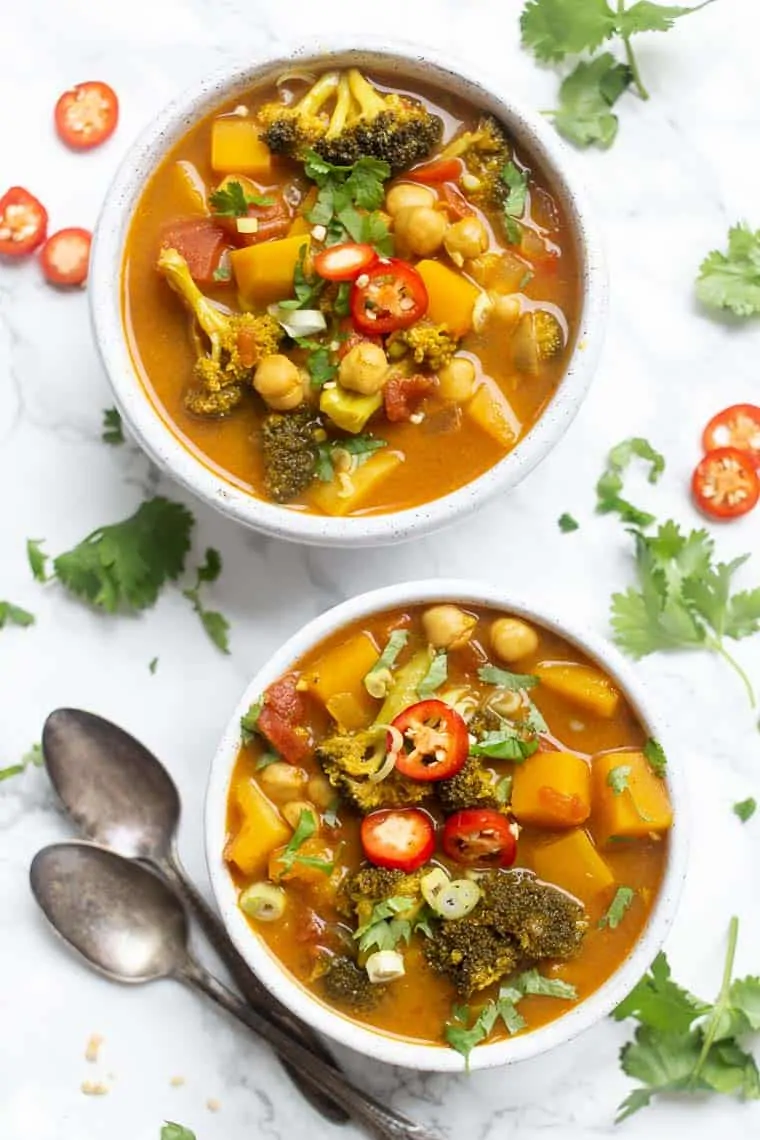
{"x": 145, "y": 419}
{"x": 372, "y": 1043}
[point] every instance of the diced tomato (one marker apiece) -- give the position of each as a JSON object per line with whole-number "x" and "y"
{"x": 455, "y": 202}
{"x": 434, "y": 741}
{"x": 86, "y": 115}
{"x": 65, "y": 257}
{"x": 440, "y": 170}
{"x": 401, "y": 839}
{"x": 201, "y": 242}
{"x": 402, "y": 394}
{"x": 273, "y": 221}
{"x": 480, "y": 835}
{"x": 282, "y": 720}
{"x": 23, "y": 222}
{"x": 393, "y": 297}
{"x": 345, "y": 261}
{"x": 737, "y": 426}
{"x": 725, "y": 484}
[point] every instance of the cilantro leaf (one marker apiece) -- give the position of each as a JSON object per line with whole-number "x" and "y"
{"x": 172, "y": 1131}
{"x": 745, "y": 809}
{"x": 552, "y": 29}
{"x": 37, "y": 559}
{"x": 513, "y": 682}
{"x": 435, "y": 676}
{"x": 504, "y": 744}
{"x": 464, "y": 1039}
{"x": 586, "y": 96}
{"x": 348, "y": 200}
{"x": 153, "y": 665}
{"x": 742, "y": 617}
{"x": 610, "y": 483}
{"x": 514, "y": 204}
{"x": 231, "y": 201}
{"x": 567, "y": 523}
{"x": 617, "y": 778}
{"x": 616, "y": 911}
{"x": 32, "y": 758}
{"x": 656, "y": 1001}
{"x": 744, "y": 996}
{"x": 359, "y": 447}
{"x": 731, "y": 280}
{"x": 377, "y": 680}
{"x": 531, "y": 982}
{"x": 266, "y": 759}
{"x": 14, "y": 615}
{"x": 215, "y": 624}
{"x": 387, "y": 924}
{"x": 663, "y": 1062}
{"x": 656, "y": 758}
{"x": 249, "y": 721}
{"x": 306, "y": 827}
{"x": 112, "y": 429}
{"x": 644, "y": 16}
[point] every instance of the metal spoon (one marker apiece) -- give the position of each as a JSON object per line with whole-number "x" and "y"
{"x": 121, "y": 796}
{"x": 131, "y": 926}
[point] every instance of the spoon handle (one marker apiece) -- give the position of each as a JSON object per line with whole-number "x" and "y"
{"x": 379, "y": 1121}
{"x": 256, "y": 994}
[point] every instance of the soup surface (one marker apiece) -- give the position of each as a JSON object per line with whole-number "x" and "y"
{"x": 447, "y": 807}
{"x": 346, "y": 298}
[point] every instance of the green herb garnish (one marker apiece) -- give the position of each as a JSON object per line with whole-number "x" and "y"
{"x": 617, "y": 778}
{"x": 567, "y": 523}
{"x": 377, "y": 678}
{"x": 387, "y": 925}
{"x": 32, "y": 758}
{"x": 306, "y": 827}
{"x": 435, "y": 676}
{"x": 359, "y": 447}
{"x": 504, "y": 744}
{"x": 656, "y": 758}
{"x": 731, "y": 280}
{"x": 112, "y": 428}
{"x": 215, "y": 624}
{"x": 153, "y": 665}
{"x": 514, "y": 204}
{"x": 11, "y": 614}
{"x": 345, "y": 195}
{"x": 745, "y": 809}
{"x": 231, "y": 201}
{"x": 249, "y": 721}
{"x": 611, "y": 482}
{"x": 616, "y": 911}
{"x": 503, "y": 679}
{"x": 172, "y": 1131}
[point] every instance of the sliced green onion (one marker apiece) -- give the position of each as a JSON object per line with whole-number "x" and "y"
{"x": 457, "y": 899}
{"x": 263, "y": 901}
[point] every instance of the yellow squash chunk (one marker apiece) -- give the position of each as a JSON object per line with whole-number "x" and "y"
{"x": 264, "y": 272}
{"x": 350, "y": 713}
{"x": 261, "y": 830}
{"x": 451, "y": 297}
{"x": 330, "y": 497}
{"x": 492, "y": 411}
{"x": 581, "y": 685}
{"x": 573, "y": 863}
{"x": 337, "y": 680}
{"x": 237, "y": 149}
{"x": 191, "y": 187}
{"x": 299, "y": 225}
{"x": 552, "y": 789}
{"x": 639, "y": 810}
{"x": 349, "y": 410}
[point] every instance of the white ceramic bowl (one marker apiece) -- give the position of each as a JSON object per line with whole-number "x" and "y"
{"x": 146, "y": 421}
{"x": 372, "y": 1043}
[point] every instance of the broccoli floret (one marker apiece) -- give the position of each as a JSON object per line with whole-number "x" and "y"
{"x": 346, "y": 983}
{"x": 289, "y": 445}
{"x": 485, "y": 152}
{"x": 360, "y": 892}
{"x": 548, "y": 332}
{"x": 349, "y": 760}
{"x": 236, "y": 342}
{"x": 471, "y": 955}
{"x": 537, "y": 338}
{"x": 363, "y": 122}
{"x": 545, "y": 921}
{"x": 431, "y": 346}
{"x": 472, "y": 787}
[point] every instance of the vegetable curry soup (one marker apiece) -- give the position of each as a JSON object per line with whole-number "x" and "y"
{"x": 447, "y": 824}
{"x": 349, "y": 299}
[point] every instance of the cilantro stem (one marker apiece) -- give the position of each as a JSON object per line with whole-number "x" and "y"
{"x": 631, "y": 58}
{"x": 721, "y": 650}
{"x": 721, "y": 1002}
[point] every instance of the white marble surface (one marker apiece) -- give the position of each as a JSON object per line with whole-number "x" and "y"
{"x": 683, "y": 168}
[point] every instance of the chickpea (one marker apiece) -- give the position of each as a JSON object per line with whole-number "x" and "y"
{"x": 456, "y": 380}
{"x": 506, "y": 308}
{"x": 293, "y": 811}
{"x": 321, "y": 791}
{"x": 405, "y": 195}
{"x": 512, "y": 639}
{"x": 282, "y": 779}
{"x": 465, "y": 239}
{"x": 364, "y": 368}
{"x": 448, "y": 627}
{"x": 279, "y": 382}
{"x": 420, "y": 230}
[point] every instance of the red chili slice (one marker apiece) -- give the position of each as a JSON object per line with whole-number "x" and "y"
{"x": 480, "y": 835}
{"x": 201, "y": 242}
{"x": 435, "y": 741}
{"x": 23, "y": 222}
{"x": 282, "y": 719}
{"x": 393, "y": 297}
{"x": 737, "y": 426}
{"x": 440, "y": 170}
{"x": 455, "y": 201}
{"x": 401, "y": 839}
{"x": 65, "y": 257}
{"x": 345, "y": 261}
{"x": 725, "y": 484}
{"x": 401, "y": 394}
{"x": 86, "y": 115}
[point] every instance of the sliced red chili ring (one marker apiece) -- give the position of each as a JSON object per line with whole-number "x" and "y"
{"x": 480, "y": 835}
{"x": 737, "y": 426}
{"x": 439, "y": 170}
{"x": 434, "y": 741}
{"x": 401, "y": 839}
{"x": 345, "y": 261}
{"x": 725, "y": 484}
{"x": 23, "y": 222}
{"x": 391, "y": 296}
{"x": 86, "y": 115}
{"x": 65, "y": 257}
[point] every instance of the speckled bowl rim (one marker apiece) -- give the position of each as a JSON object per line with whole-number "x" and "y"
{"x": 144, "y": 417}
{"x": 372, "y": 1043}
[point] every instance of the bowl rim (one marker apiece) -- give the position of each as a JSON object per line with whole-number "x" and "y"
{"x": 150, "y": 424}
{"x": 373, "y": 1043}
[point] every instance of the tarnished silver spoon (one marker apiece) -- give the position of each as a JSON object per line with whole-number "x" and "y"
{"x": 130, "y": 925}
{"x": 121, "y": 796}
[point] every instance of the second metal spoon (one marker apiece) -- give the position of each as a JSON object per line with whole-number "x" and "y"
{"x": 121, "y": 796}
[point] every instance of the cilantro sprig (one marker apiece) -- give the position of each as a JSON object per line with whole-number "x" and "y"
{"x": 171, "y": 1131}
{"x": 215, "y": 624}
{"x": 305, "y": 829}
{"x": 731, "y": 280}
{"x": 32, "y": 758}
{"x": 617, "y": 909}
{"x": 745, "y": 809}
{"x": 610, "y": 484}
{"x": 113, "y": 432}
{"x": 348, "y": 200}
{"x": 516, "y": 200}
{"x": 685, "y": 1045}
{"x": 391, "y": 921}
{"x": 231, "y": 201}
{"x": 11, "y": 614}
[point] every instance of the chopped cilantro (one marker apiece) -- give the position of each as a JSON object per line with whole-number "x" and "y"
{"x": 567, "y": 523}
{"x": 11, "y": 614}
{"x": 656, "y": 757}
{"x": 745, "y": 809}
{"x": 249, "y": 721}
{"x": 616, "y": 911}
{"x": 231, "y": 201}
{"x": 617, "y": 778}
{"x": 112, "y": 429}
{"x": 359, "y": 447}
{"x": 514, "y": 204}
{"x": 215, "y": 624}
{"x": 503, "y": 679}
{"x": 610, "y": 484}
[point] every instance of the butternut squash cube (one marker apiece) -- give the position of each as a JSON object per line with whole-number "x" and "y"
{"x": 552, "y": 789}
{"x": 573, "y": 863}
{"x": 337, "y": 680}
{"x": 451, "y": 297}
{"x": 582, "y": 685}
{"x": 237, "y": 149}
{"x": 262, "y": 829}
{"x": 335, "y": 500}
{"x": 192, "y": 188}
{"x": 311, "y": 849}
{"x": 264, "y": 272}
{"x": 299, "y": 225}
{"x": 638, "y": 810}
{"x": 492, "y": 411}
